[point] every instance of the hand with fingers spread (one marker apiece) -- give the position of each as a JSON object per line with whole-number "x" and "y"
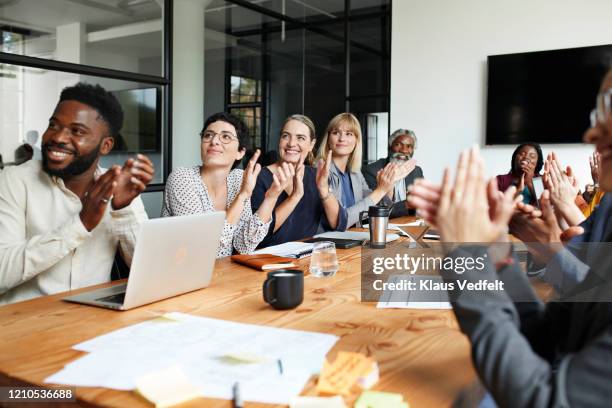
{"x": 389, "y": 175}
{"x": 97, "y": 198}
{"x": 323, "y": 176}
{"x": 406, "y": 168}
{"x": 563, "y": 189}
{"x": 463, "y": 213}
{"x": 135, "y": 175}
{"x": 595, "y": 163}
{"x": 249, "y": 176}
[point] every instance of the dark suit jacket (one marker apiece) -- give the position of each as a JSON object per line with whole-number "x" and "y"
{"x": 531, "y": 355}
{"x": 369, "y": 172}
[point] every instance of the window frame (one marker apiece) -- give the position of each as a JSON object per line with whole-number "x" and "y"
{"x": 164, "y": 81}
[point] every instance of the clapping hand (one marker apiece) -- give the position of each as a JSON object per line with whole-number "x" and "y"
{"x": 134, "y": 177}
{"x": 323, "y": 175}
{"x": 249, "y": 176}
{"x": 538, "y": 229}
{"x": 595, "y": 163}
{"x": 563, "y": 188}
{"x": 562, "y": 185}
{"x": 528, "y": 171}
{"x": 281, "y": 180}
{"x": 464, "y": 213}
{"x": 298, "y": 182}
{"x": 388, "y": 176}
{"x": 97, "y": 197}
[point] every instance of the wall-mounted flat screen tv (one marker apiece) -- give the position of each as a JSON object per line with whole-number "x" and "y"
{"x": 141, "y": 131}
{"x": 543, "y": 96}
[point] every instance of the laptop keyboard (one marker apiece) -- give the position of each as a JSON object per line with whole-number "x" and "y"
{"x": 118, "y": 298}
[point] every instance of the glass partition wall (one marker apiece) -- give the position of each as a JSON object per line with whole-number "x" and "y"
{"x": 265, "y": 60}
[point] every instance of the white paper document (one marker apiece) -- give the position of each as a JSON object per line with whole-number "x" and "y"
{"x": 288, "y": 249}
{"x": 199, "y": 346}
{"x": 406, "y": 299}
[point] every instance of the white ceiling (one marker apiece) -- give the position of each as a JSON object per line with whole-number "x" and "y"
{"x": 46, "y": 15}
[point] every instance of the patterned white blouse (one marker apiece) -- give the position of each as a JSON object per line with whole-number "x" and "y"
{"x": 186, "y": 193}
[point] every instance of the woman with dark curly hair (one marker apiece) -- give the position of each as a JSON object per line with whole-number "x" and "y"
{"x": 526, "y": 164}
{"x": 217, "y": 185}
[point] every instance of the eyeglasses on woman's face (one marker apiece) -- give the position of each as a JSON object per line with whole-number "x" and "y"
{"x": 224, "y": 137}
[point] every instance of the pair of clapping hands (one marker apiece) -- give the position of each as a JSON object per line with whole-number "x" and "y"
{"x": 286, "y": 175}
{"x": 473, "y": 210}
{"x": 385, "y": 178}
{"x": 119, "y": 186}
{"x": 470, "y": 209}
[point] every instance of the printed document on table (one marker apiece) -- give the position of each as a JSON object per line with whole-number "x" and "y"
{"x": 406, "y": 299}
{"x": 200, "y": 346}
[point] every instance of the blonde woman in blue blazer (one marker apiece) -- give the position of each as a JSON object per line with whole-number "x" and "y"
{"x": 340, "y": 155}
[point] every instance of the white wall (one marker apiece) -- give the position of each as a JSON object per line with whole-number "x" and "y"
{"x": 438, "y": 68}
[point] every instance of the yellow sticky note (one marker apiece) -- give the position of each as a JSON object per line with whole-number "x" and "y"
{"x": 339, "y": 377}
{"x": 245, "y": 358}
{"x": 377, "y": 399}
{"x": 167, "y": 387}
{"x": 317, "y": 402}
{"x": 168, "y": 317}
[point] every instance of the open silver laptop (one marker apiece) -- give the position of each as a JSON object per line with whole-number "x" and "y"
{"x": 173, "y": 256}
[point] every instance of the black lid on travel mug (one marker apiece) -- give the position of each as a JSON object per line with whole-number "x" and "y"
{"x": 378, "y": 211}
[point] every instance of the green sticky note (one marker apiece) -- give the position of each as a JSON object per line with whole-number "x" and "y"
{"x": 378, "y": 399}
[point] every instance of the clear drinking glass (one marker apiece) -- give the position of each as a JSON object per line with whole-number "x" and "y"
{"x": 323, "y": 261}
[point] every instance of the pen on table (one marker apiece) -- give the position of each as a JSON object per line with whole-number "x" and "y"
{"x": 237, "y": 396}
{"x": 280, "y": 366}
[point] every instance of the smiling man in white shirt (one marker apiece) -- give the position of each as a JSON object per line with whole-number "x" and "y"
{"x": 61, "y": 219}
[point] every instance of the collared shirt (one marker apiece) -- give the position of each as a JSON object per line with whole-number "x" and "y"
{"x": 44, "y": 247}
{"x": 348, "y": 196}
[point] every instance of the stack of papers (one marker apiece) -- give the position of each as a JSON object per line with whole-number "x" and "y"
{"x": 213, "y": 354}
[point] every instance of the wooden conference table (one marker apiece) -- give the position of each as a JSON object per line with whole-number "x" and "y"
{"x": 421, "y": 353}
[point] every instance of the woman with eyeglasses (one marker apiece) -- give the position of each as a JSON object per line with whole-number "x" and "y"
{"x": 340, "y": 161}
{"x": 217, "y": 185}
{"x": 527, "y": 161}
{"x": 300, "y": 210}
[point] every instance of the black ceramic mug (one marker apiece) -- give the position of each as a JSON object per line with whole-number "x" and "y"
{"x": 284, "y": 289}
